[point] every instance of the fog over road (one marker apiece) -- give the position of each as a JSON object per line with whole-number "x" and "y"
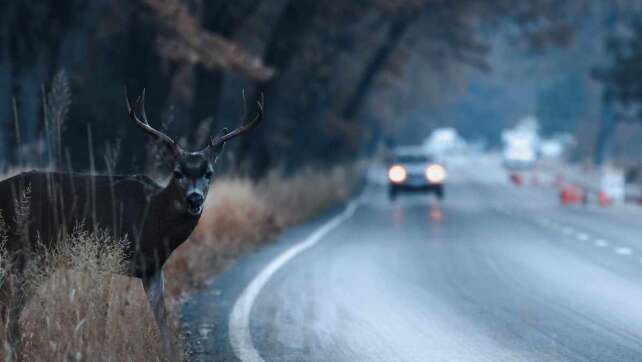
{"x": 496, "y": 273}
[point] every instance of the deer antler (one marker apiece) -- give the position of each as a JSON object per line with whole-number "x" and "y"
{"x": 142, "y": 122}
{"x": 245, "y": 125}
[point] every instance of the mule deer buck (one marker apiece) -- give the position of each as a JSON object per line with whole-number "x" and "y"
{"x": 155, "y": 220}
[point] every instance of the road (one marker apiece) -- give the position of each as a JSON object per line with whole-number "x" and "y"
{"x": 494, "y": 273}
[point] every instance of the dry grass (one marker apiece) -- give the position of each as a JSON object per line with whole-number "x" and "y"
{"x": 298, "y": 198}
{"x": 241, "y": 214}
{"x": 78, "y": 308}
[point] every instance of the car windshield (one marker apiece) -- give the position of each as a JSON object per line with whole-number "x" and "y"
{"x": 412, "y": 158}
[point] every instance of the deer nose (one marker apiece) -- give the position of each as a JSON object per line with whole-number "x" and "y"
{"x": 195, "y": 200}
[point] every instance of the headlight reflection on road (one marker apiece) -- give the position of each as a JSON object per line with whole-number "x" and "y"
{"x": 436, "y": 214}
{"x": 397, "y": 216}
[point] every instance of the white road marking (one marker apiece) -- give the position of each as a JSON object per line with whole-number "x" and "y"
{"x": 581, "y": 236}
{"x": 623, "y": 251}
{"x": 239, "y": 324}
{"x": 601, "y": 243}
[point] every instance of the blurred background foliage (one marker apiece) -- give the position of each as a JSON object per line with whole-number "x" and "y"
{"x": 339, "y": 77}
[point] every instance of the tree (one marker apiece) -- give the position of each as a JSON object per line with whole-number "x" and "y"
{"x": 622, "y": 92}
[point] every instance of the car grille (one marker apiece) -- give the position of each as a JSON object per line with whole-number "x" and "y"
{"x": 416, "y": 179}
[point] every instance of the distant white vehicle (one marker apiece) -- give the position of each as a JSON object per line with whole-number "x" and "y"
{"x": 557, "y": 146}
{"x": 521, "y": 144}
{"x": 551, "y": 148}
{"x": 444, "y": 142}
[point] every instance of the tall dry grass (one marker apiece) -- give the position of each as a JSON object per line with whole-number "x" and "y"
{"x": 77, "y": 307}
{"x": 242, "y": 214}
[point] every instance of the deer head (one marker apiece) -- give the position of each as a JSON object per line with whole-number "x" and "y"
{"x": 192, "y": 170}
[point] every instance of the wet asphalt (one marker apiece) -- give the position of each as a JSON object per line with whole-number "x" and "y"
{"x": 492, "y": 273}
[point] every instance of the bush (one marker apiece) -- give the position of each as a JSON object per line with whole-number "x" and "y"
{"x": 78, "y": 308}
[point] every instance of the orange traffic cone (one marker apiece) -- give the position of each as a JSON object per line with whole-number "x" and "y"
{"x": 516, "y": 178}
{"x": 572, "y": 195}
{"x": 603, "y": 199}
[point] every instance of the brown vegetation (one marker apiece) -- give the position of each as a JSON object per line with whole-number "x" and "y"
{"x": 78, "y": 308}
{"x": 192, "y": 44}
{"x": 242, "y": 214}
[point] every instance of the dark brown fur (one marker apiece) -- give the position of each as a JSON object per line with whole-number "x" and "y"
{"x": 129, "y": 206}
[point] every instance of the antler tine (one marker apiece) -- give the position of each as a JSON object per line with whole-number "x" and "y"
{"x": 245, "y": 126}
{"x": 142, "y": 107}
{"x": 142, "y": 122}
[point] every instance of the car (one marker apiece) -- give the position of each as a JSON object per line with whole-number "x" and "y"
{"x": 413, "y": 169}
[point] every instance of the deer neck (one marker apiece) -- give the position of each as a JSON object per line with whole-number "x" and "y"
{"x": 170, "y": 204}
{"x": 168, "y": 224}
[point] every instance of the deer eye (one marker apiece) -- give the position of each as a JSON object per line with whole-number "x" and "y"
{"x": 208, "y": 175}
{"x": 178, "y": 175}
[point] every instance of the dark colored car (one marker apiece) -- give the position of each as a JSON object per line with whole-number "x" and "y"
{"x": 412, "y": 169}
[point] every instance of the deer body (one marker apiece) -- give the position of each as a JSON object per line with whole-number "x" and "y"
{"x": 155, "y": 220}
{"x": 129, "y": 206}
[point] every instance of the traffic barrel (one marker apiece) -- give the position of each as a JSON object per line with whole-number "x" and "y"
{"x": 516, "y": 179}
{"x": 603, "y": 199}
{"x": 571, "y": 195}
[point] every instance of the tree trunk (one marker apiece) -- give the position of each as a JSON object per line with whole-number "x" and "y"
{"x": 400, "y": 25}
{"x": 226, "y": 19}
{"x": 6, "y": 115}
{"x": 286, "y": 40}
{"x": 607, "y": 126}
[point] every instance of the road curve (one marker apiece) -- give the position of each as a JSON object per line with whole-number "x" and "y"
{"x": 493, "y": 274}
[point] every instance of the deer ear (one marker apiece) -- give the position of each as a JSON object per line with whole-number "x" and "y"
{"x": 164, "y": 153}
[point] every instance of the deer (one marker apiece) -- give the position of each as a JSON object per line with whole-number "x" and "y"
{"x": 155, "y": 220}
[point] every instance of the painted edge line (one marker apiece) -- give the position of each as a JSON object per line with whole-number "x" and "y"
{"x": 239, "y": 323}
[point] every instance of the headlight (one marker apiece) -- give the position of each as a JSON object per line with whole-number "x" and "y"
{"x": 435, "y": 173}
{"x": 397, "y": 174}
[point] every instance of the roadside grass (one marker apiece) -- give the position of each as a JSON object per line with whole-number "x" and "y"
{"x": 77, "y": 306}
{"x": 241, "y": 215}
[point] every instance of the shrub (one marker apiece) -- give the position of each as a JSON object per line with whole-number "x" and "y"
{"x": 78, "y": 308}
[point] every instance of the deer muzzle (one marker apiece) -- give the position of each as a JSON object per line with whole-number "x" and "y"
{"x": 194, "y": 203}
